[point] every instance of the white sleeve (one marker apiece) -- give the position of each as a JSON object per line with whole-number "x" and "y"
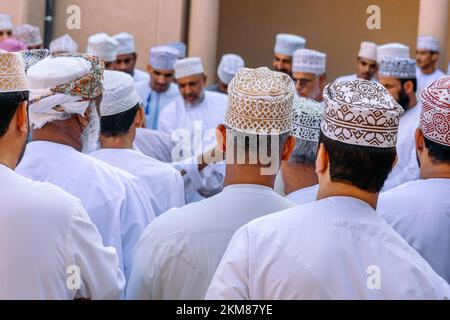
{"x": 136, "y": 214}
{"x": 166, "y": 119}
{"x": 99, "y": 269}
{"x": 230, "y": 282}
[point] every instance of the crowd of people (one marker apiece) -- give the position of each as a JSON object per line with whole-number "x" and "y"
{"x": 119, "y": 183}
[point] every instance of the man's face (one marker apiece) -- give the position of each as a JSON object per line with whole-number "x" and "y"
{"x": 307, "y": 85}
{"x": 282, "y": 63}
{"x": 191, "y": 88}
{"x": 5, "y": 34}
{"x": 222, "y": 87}
{"x": 160, "y": 80}
{"x": 426, "y": 59}
{"x": 126, "y": 63}
{"x": 395, "y": 88}
{"x": 109, "y": 65}
{"x": 366, "y": 68}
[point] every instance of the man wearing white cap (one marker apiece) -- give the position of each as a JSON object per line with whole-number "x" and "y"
{"x": 127, "y": 58}
{"x": 309, "y": 73}
{"x": 104, "y": 47}
{"x": 419, "y": 210}
{"x": 427, "y": 57}
{"x": 66, "y": 92}
{"x": 63, "y": 44}
{"x": 120, "y": 116}
{"x": 285, "y": 46}
{"x": 194, "y": 105}
{"x": 178, "y": 254}
{"x": 46, "y": 233}
{"x": 299, "y": 172}
{"x": 337, "y": 247}
{"x": 366, "y": 63}
{"x": 157, "y": 93}
{"x": 398, "y": 76}
{"x": 29, "y": 35}
{"x": 392, "y": 50}
{"x": 229, "y": 65}
{"x": 6, "y": 26}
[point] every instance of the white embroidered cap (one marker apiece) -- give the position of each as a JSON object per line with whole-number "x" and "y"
{"x": 428, "y": 43}
{"x": 309, "y": 61}
{"x": 62, "y": 44}
{"x": 400, "y": 68}
{"x": 307, "y": 117}
{"x": 287, "y": 44}
{"x": 163, "y": 58}
{"x": 368, "y": 50}
{"x": 28, "y": 34}
{"x": 126, "y": 43}
{"x": 390, "y": 50}
{"x": 5, "y": 22}
{"x": 229, "y": 66}
{"x": 103, "y": 46}
{"x": 188, "y": 67}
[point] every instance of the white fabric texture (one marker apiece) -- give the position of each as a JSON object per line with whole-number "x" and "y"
{"x": 44, "y": 231}
{"x": 126, "y": 43}
{"x": 5, "y": 22}
{"x": 287, "y": 256}
{"x": 188, "y": 67}
{"x": 309, "y": 61}
{"x": 304, "y": 196}
{"x": 180, "y": 47}
{"x": 177, "y": 255}
{"x": 389, "y": 50}
{"x": 140, "y": 76}
{"x": 164, "y": 183}
{"x": 114, "y": 199}
{"x": 12, "y": 72}
{"x": 424, "y": 80}
{"x": 420, "y": 212}
{"x": 64, "y": 43}
{"x": 287, "y": 44}
{"x": 28, "y": 34}
{"x": 154, "y": 144}
{"x": 399, "y": 68}
{"x": 103, "y": 46}
{"x": 407, "y": 168}
{"x": 368, "y": 50}
{"x": 229, "y": 65}
{"x": 119, "y": 93}
{"x": 428, "y": 43}
{"x": 163, "y": 58}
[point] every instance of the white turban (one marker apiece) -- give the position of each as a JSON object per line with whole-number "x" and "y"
{"x": 46, "y": 105}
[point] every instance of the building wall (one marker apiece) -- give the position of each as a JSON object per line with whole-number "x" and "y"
{"x": 336, "y": 27}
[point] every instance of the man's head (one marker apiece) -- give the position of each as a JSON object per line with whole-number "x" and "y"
{"x": 120, "y": 107}
{"x": 30, "y": 35}
{"x": 285, "y": 46}
{"x": 229, "y": 65}
{"x": 161, "y": 67}
{"x": 66, "y": 91}
{"x": 180, "y": 47}
{"x": 63, "y": 44}
{"x": 258, "y": 120}
{"x": 358, "y": 135}
{"x": 433, "y": 137}
{"x": 427, "y": 52}
{"x": 6, "y": 26}
{"x": 126, "y": 53}
{"x": 398, "y": 76}
{"x": 367, "y": 61}
{"x": 105, "y": 48}
{"x": 191, "y": 79}
{"x": 13, "y": 108}
{"x": 309, "y": 73}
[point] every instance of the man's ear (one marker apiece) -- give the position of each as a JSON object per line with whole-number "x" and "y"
{"x": 322, "y": 160}
{"x": 435, "y": 57}
{"x": 83, "y": 120}
{"x": 205, "y": 78}
{"x": 221, "y": 137}
{"x": 420, "y": 141}
{"x": 22, "y": 117}
{"x": 408, "y": 86}
{"x": 288, "y": 148}
{"x": 139, "y": 118}
{"x": 149, "y": 69}
{"x": 322, "y": 80}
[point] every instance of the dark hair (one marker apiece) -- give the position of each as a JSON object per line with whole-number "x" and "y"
{"x": 413, "y": 80}
{"x": 364, "y": 167}
{"x": 118, "y": 124}
{"x": 438, "y": 153}
{"x": 9, "y": 102}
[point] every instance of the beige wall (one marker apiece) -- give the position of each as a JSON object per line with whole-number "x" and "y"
{"x": 152, "y": 22}
{"x": 25, "y": 11}
{"x": 337, "y": 27}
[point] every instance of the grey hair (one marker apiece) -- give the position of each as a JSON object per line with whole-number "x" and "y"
{"x": 304, "y": 152}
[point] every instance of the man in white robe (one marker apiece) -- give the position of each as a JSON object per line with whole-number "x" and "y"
{"x": 46, "y": 235}
{"x": 427, "y": 56}
{"x": 419, "y": 210}
{"x": 160, "y": 90}
{"x": 104, "y": 47}
{"x": 309, "y": 73}
{"x": 336, "y": 247}
{"x": 66, "y": 92}
{"x": 120, "y": 116}
{"x": 285, "y": 46}
{"x": 366, "y": 63}
{"x": 178, "y": 253}
{"x": 299, "y": 172}
{"x": 229, "y": 65}
{"x": 397, "y": 75}
{"x": 127, "y": 58}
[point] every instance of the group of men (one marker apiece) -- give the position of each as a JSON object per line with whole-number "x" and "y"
{"x": 312, "y": 191}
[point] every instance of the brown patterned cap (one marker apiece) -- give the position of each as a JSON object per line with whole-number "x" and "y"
{"x": 12, "y": 72}
{"x": 260, "y": 102}
{"x": 362, "y": 113}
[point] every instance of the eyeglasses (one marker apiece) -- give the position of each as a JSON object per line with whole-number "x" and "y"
{"x": 5, "y": 33}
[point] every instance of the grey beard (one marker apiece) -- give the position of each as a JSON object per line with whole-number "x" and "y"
{"x": 91, "y": 134}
